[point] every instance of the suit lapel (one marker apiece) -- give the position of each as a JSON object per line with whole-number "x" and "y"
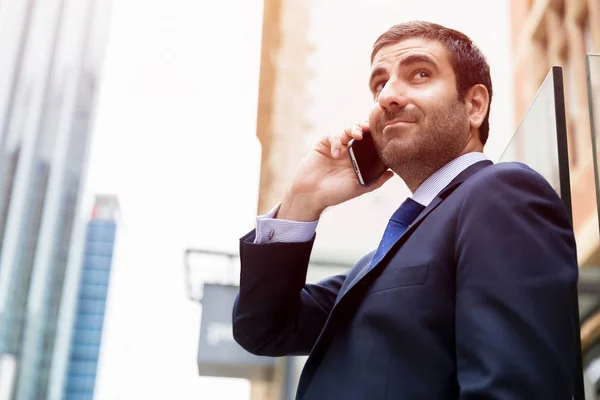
{"x": 367, "y": 269}
{"x": 432, "y": 206}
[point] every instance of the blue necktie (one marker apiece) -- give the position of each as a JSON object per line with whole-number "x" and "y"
{"x": 397, "y": 225}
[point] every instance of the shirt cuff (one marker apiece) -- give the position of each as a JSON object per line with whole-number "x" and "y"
{"x": 271, "y": 230}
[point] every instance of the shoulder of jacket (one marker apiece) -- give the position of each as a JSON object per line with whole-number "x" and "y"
{"x": 507, "y": 172}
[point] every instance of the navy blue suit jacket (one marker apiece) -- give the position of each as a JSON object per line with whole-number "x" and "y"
{"x": 474, "y": 301}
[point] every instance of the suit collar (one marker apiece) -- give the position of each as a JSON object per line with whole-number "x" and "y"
{"x": 456, "y": 182}
{"x": 436, "y": 182}
{"x": 463, "y": 176}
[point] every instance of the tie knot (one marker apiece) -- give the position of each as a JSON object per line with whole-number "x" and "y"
{"x": 407, "y": 212}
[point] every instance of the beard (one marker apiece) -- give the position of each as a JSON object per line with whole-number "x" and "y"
{"x": 423, "y": 147}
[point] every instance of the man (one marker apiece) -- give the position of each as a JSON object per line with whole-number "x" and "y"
{"x": 469, "y": 295}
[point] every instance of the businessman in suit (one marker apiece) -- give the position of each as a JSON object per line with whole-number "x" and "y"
{"x": 469, "y": 293}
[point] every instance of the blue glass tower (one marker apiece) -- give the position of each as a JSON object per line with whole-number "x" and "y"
{"x": 91, "y": 301}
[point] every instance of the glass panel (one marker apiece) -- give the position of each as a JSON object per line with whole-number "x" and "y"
{"x": 536, "y": 141}
{"x": 593, "y": 84}
{"x": 590, "y": 277}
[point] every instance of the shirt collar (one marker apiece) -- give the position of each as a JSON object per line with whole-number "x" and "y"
{"x": 433, "y": 185}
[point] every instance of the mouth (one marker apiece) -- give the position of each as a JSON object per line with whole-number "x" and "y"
{"x": 397, "y": 124}
{"x": 400, "y": 120}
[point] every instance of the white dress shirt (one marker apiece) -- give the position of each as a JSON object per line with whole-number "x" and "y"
{"x": 271, "y": 230}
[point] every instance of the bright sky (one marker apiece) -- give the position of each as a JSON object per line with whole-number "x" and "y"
{"x": 174, "y": 138}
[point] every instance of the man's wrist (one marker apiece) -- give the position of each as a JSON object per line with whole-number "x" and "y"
{"x": 298, "y": 208}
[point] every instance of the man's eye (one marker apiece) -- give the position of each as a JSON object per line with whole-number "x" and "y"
{"x": 422, "y": 74}
{"x": 379, "y": 87}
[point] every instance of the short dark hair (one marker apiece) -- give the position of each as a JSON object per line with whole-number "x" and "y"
{"x": 469, "y": 65}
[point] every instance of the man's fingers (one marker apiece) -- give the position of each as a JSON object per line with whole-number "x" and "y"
{"x": 337, "y": 142}
{"x": 351, "y": 132}
{"x": 346, "y": 136}
{"x": 335, "y": 145}
{"x": 364, "y": 126}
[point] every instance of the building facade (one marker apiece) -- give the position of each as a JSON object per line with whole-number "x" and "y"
{"x": 562, "y": 32}
{"x": 52, "y": 52}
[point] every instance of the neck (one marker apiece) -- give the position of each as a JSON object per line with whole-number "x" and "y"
{"x": 415, "y": 174}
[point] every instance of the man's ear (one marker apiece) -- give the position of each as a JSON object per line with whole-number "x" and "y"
{"x": 477, "y": 100}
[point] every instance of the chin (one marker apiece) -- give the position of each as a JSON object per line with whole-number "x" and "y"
{"x": 397, "y": 153}
{"x": 402, "y": 151}
{"x": 397, "y": 145}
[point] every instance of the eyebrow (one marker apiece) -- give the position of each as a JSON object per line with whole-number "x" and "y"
{"x": 404, "y": 62}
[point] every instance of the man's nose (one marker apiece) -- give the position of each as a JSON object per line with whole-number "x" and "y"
{"x": 392, "y": 97}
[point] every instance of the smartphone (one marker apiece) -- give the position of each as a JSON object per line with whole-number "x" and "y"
{"x": 365, "y": 160}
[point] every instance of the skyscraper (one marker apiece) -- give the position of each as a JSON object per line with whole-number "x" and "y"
{"x": 91, "y": 300}
{"x": 51, "y": 53}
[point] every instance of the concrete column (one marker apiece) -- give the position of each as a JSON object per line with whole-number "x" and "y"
{"x": 281, "y": 126}
{"x": 283, "y": 95}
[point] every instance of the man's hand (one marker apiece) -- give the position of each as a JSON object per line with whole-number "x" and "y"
{"x": 325, "y": 178}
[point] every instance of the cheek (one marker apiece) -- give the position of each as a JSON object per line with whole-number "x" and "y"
{"x": 433, "y": 98}
{"x": 374, "y": 115}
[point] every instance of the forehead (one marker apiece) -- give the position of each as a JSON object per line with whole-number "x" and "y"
{"x": 393, "y": 52}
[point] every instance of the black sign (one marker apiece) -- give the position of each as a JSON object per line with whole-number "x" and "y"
{"x": 218, "y": 353}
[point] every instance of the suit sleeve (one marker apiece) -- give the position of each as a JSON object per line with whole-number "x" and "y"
{"x": 516, "y": 278}
{"x": 276, "y": 313}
